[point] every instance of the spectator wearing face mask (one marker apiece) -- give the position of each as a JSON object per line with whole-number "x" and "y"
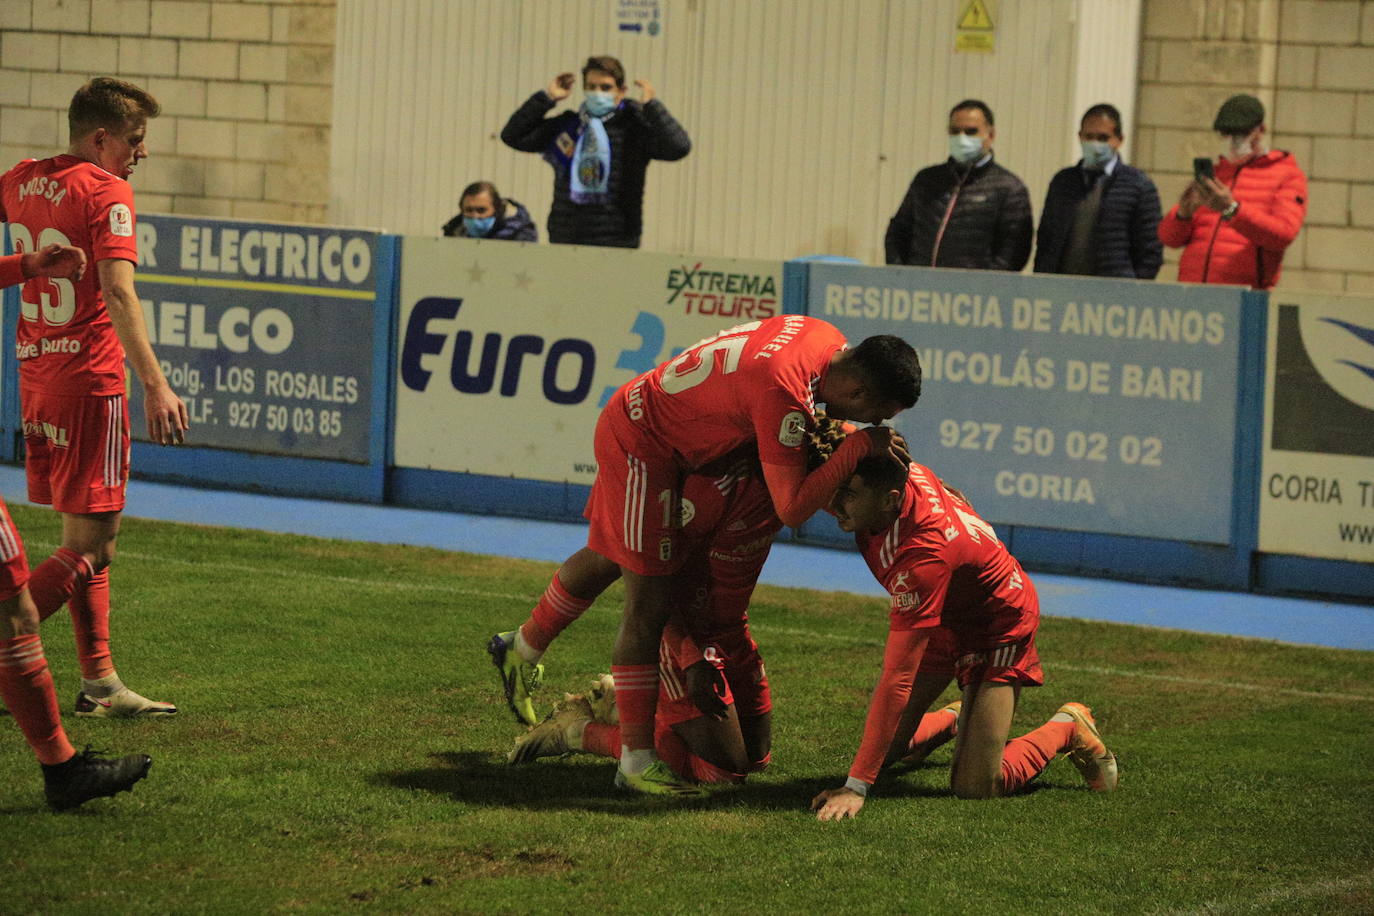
{"x": 599, "y": 153}
{"x": 1234, "y": 225}
{"x": 484, "y": 214}
{"x": 967, "y": 211}
{"x": 1101, "y": 216}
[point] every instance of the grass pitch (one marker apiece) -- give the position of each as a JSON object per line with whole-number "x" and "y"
{"x": 342, "y": 738}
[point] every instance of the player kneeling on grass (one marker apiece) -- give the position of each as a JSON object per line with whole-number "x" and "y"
{"x": 714, "y": 717}
{"x": 943, "y": 565}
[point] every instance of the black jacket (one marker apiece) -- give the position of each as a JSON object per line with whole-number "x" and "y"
{"x": 1126, "y": 234}
{"x": 514, "y": 224}
{"x": 638, "y": 133}
{"x": 989, "y": 228}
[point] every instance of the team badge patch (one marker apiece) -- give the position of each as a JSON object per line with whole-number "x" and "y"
{"x": 665, "y": 549}
{"x": 687, "y": 513}
{"x": 121, "y": 220}
{"x": 793, "y": 429}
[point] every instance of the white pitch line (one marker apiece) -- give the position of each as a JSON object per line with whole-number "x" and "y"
{"x": 1091, "y": 669}
{"x": 401, "y": 585}
{"x": 1284, "y": 895}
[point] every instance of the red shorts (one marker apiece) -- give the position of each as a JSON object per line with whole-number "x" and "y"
{"x": 746, "y": 683}
{"x": 77, "y": 450}
{"x": 1009, "y": 663}
{"x": 942, "y": 651}
{"x": 14, "y": 565}
{"x": 635, "y": 503}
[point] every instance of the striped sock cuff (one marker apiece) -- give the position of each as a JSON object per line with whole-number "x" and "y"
{"x": 21, "y": 651}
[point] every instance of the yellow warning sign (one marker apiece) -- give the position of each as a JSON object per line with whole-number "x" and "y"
{"x": 975, "y": 30}
{"x": 975, "y": 17}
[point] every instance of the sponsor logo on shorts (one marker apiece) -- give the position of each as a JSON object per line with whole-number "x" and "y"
{"x": 793, "y": 429}
{"x": 121, "y": 220}
{"x": 906, "y": 601}
{"x": 56, "y": 435}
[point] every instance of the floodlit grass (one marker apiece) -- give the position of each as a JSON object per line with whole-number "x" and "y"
{"x": 342, "y": 739}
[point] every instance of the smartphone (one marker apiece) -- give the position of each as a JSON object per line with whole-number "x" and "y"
{"x": 1202, "y": 168}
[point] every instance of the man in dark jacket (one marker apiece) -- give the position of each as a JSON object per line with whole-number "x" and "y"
{"x": 484, "y": 214}
{"x": 599, "y": 153}
{"x": 1101, "y": 216}
{"x": 967, "y": 211}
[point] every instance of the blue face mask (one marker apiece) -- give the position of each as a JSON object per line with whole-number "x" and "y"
{"x": 1096, "y": 154}
{"x": 599, "y": 104}
{"x": 478, "y": 228}
{"x": 965, "y": 149}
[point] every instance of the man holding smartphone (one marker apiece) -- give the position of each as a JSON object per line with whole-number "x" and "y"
{"x": 1242, "y": 211}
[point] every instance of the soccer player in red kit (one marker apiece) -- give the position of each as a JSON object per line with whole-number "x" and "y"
{"x": 756, "y": 383}
{"x": 714, "y": 715}
{"x": 26, "y": 686}
{"x": 942, "y": 565}
{"x": 73, "y": 338}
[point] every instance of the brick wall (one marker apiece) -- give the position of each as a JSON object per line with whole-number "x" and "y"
{"x": 245, "y": 89}
{"x": 1312, "y": 63}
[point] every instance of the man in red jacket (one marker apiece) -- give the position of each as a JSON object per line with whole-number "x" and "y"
{"x": 1234, "y": 226}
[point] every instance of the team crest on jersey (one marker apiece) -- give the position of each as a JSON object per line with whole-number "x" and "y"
{"x": 665, "y": 549}
{"x": 687, "y": 512}
{"x": 793, "y": 429}
{"x": 121, "y": 220}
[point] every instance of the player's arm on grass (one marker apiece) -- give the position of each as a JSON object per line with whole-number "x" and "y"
{"x": 901, "y": 658}
{"x": 798, "y": 495}
{"x": 167, "y": 417}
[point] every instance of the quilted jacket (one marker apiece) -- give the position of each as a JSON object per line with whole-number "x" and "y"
{"x": 989, "y": 226}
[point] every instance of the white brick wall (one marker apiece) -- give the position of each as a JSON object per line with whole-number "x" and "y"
{"x": 1312, "y": 63}
{"x": 245, "y": 89}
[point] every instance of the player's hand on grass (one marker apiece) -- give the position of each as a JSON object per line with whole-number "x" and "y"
{"x": 167, "y": 417}
{"x": 560, "y": 87}
{"x": 706, "y": 687}
{"x": 837, "y": 804}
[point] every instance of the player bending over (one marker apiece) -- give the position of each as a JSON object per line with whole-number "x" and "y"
{"x": 26, "y": 685}
{"x": 756, "y": 383}
{"x": 714, "y": 717}
{"x": 943, "y": 565}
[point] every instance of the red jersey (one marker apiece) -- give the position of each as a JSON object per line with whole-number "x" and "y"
{"x": 754, "y": 382}
{"x": 66, "y": 342}
{"x": 941, "y": 563}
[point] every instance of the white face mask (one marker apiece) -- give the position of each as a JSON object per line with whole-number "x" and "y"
{"x": 1237, "y": 149}
{"x": 1096, "y": 154}
{"x": 965, "y": 149}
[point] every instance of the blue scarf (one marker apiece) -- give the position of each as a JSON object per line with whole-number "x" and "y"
{"x": 590, "y": 176}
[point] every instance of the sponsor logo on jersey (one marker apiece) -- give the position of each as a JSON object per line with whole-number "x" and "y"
{"x": 793, "y": 429}
{"x": 906, "y": 601}
{"x": 121, "y": 220}
{"x": 687, "y": 512}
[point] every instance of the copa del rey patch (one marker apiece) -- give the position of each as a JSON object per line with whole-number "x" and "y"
{"x": 793, "y": 429}
{"x": 121, "y": 220}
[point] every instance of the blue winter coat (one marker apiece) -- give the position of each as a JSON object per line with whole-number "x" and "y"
{"x": 513, "y": 225}
{"x": 1126, "y": 235}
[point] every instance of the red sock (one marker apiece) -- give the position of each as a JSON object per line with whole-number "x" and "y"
{"x": 556, "y": 609}
{"x": 601, "y": 739}
{"x": 636, "y": 696}
{"x": 26, "y": 687}
{"x": 1024, "y": 757}
{"x": 934, "y": 729}
{"x": 53, "y": 582}
{"x": 90, "y": 607}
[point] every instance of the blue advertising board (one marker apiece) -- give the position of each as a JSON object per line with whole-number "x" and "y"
{"x": 1066, "y": 403}
{"x": 266, "y": 331}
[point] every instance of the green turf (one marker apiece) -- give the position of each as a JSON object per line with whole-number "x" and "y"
{"x": 342, "y": 736}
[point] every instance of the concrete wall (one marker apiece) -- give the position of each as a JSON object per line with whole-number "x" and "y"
{"x": 1312, "y": 63}
{"x": 245, "y": 91}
